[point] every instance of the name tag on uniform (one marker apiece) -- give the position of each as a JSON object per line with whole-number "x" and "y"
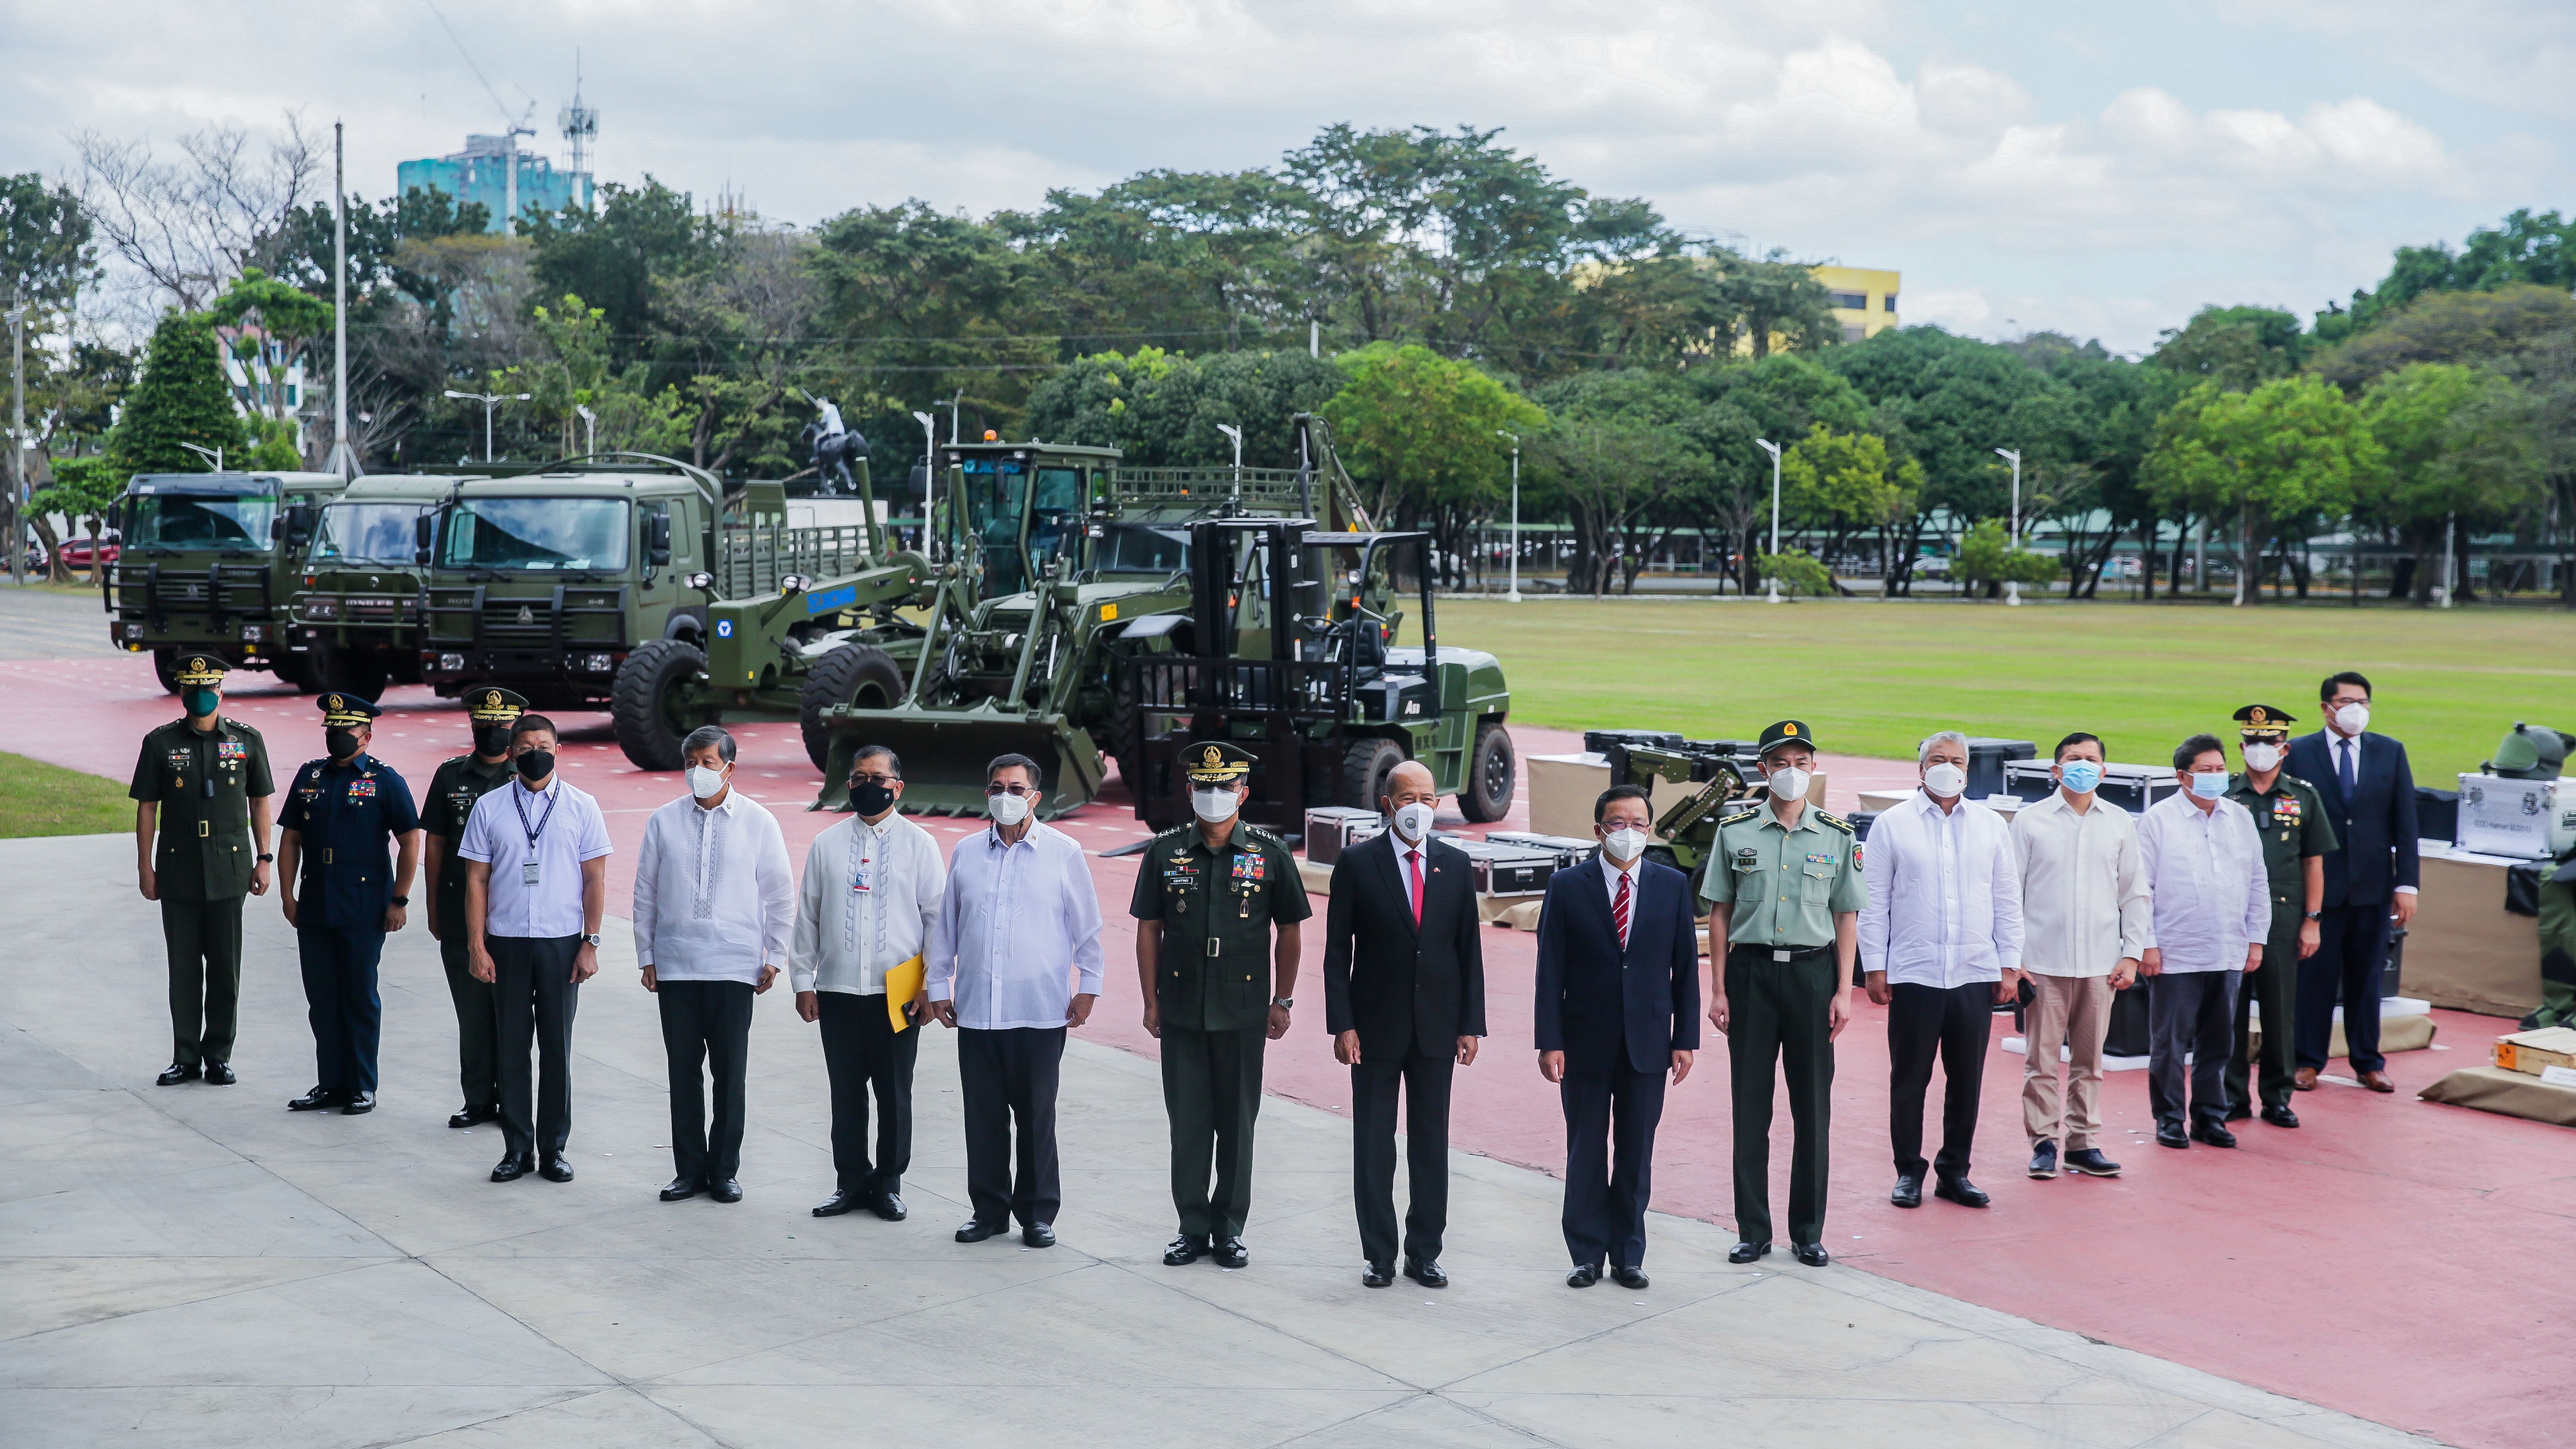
{"x": 863, "y": 876}
{"x": 1745, "y": 858}
{"x": 528, "y": 873}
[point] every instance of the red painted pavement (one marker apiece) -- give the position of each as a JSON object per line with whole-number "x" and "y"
{"x": 2391, "y": 1259}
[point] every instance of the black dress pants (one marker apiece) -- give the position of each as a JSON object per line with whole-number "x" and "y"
{"x": 1611, "y": 1110}
{"x": 2194, "y": 1012}
{"x": 1424, "y": 1079}
{"x": 1008, "y": 1077}
{"x": 1212, "y": 1093}
{"x": 865, "y": 1055}
{"x": 1953, "y": 1024}
{"x": 1779, "y": 1031}
{"x": 709, "y": 1023}
{"x": 204, "y": 942}
{"x": 478, "y": 1022}
{"x": 535, "y": 995}
{"x": 2273, "y": 986}
{"x": 2352, "y": 950}
{"x": 341, "y": 1003}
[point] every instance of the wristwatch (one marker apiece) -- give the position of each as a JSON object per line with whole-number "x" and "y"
{"x": 1283, "y": 1002}
{"x": 589, "y": 939}
{"x": 401, "y": 900}
{"x": 265, "y": 857}
{"x": 2316, "y": 915}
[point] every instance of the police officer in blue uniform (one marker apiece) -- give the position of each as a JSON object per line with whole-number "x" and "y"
{"x": 342, "y": 894}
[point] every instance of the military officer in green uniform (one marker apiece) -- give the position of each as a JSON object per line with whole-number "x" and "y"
{"x": 1217, "y": 907}
{"x": 2291, "y": 817}
{"x": 202, "y": 787}
{"x": 444, "y": 810}
{"x": 1784, "y": 892}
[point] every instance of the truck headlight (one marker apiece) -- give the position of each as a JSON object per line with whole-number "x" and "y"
{"x": 254, "y": 633}
{"x": 133, "y": 631}
{"x": 597, "y": 663}
{"x": 451, "y": 663}
{"x": 321, "y": 606}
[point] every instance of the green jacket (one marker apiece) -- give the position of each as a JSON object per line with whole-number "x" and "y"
{"x": 203, "y": 781}
{"x": 1217, "y": 909}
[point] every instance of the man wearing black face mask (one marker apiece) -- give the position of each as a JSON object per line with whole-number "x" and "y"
{"x": 450, "y": 803}
{"x": 341, "y": 897}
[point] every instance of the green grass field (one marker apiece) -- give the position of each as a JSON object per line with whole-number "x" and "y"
{"x": 1872, "y": 678}
{"x": 42, "y": 799}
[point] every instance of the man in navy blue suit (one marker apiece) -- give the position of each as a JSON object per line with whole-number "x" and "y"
{"x": 2370, "y": 798}
{"x": 1617, "y": 1007}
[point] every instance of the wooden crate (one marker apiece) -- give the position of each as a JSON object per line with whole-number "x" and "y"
{"x": 2529, "y": 1051}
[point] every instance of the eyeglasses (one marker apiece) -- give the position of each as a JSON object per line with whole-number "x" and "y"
{"x": 871, "y": 779}
{"x": 1010, "y": 789}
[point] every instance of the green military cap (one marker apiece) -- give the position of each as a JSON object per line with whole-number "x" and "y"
{"x": 1786, "y": 732}
{"x": 1215, "y": 762}
{"x": 347, "y": 712}
{"x": 494, "y": 706}
{"x": 2261, "y": 720}
{"x": 200, "y": 669}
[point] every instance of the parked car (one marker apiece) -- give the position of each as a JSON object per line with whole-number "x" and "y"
{"x": 82, "y": 553}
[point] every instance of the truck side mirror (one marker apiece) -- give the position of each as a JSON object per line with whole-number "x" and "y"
{"x": 424, "y": 538}
{"x": 297, "y": 524}
{"x": 657, "y": 540}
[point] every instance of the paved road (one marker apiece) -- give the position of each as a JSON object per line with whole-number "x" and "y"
{"x": 52, "y": 624}
{"x": 196, "y": 1264}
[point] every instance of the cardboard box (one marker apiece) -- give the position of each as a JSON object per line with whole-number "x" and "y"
{"x": 2529, "y": 1052}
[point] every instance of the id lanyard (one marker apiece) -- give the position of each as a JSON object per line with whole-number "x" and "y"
{"x": 528, "y": 871}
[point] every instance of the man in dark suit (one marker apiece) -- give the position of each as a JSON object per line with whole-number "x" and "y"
{"x": 1617, "y": 1006}
{"x": 2370, "y": 799}
{"x": 1404, "y": 997}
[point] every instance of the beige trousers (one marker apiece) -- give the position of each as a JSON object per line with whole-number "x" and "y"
{"x": 2076, "y": 1011}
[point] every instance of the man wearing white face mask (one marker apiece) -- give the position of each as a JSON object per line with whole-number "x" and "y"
{"x": 1941, "y": 942}
{"x": 2296, "y": 836}
{"x": 2213, "y": 910}
{"x": 2369, "y": 794}
{"x": 715, "y": 909}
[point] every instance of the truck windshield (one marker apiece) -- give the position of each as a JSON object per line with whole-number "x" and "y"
{"x": 209, "y": 520}
{"x": 366, "y": 533}
{"x": 536, "y": 533}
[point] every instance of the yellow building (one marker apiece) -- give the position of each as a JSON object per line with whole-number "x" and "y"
{"x": 1864, "y": 299}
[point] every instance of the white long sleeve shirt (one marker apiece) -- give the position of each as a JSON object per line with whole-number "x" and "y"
{"x": 867, "y": 903}
{"x": 1019, "y": 925}
{"x": 1944, "y": 904}
{"x": 2085, "y": 902}
{"x": 2206, "y": 868}
{"x": 715, "y": 898}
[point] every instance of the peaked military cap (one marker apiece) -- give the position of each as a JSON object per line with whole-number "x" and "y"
{"x": 1786, "y": 732}
{"x": 2263, "y": 719}
{"x": 347, "y": 711}
{"x": 200, "y": 669}
{"x": 1214, "y": 762}
{"x": 494, "y": 706}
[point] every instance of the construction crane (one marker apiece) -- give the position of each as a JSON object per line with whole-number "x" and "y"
{"x": 511, "y": 128}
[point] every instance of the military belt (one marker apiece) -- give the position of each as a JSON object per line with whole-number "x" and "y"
{"x": 1779, "y": 953}
{"x": 205, "y": 829}
{"x": 1214, "y": 945}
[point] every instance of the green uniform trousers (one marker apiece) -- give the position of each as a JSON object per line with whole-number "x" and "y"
{"x": 478, "y": 1019}
{"x": 2557, "y": 953}
{"x": 2275, "y": 986}
{"x": 1777, "y": 1016}
{"x": 205, "y": 946}
{"x": 1212, "y": 1090}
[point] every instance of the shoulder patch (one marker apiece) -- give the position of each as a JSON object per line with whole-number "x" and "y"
{"x": 1257, "y": 833}
{"x": 1836, "y": 821}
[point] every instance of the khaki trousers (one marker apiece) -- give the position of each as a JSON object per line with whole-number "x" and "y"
{"x": 2075, "y": 1011}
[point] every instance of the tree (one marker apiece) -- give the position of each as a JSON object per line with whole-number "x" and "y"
{"x": 47, "y": 252}
{"x": 2471, "y": 327}
{"x": 1846, "y": 482}
{"x": 1986, "y": 556}
{"x": 181, "y": 398}
{"x": 2537, "y": 249}
{"x": 2290, "y": 451}
{"x": 1627, "y": 483}
{"x": 286, "y": 316}
{"x": 2459, "y": 447}
{"x": 1420, "y": 431}
{"x": 188, "y": 227}
{"x": 1161, "y": 409}
{"x": 81, "y": 491}
{"x": 2237, "y": 348}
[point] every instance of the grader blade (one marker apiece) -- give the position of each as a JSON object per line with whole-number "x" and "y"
{"x": 945, "y": 752}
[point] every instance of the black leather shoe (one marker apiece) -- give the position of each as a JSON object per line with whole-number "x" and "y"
{"x": 1231, "y": 1253}
{"x": 470, "y": 1115}
{"x": 841, "y": 1201}
{"x": 1184, "y": 1250}
{"x": 2043, "y": 1159}
{"x": 1814, "y": 1255}
{"x": 513, "y": 1167}
{"x": 2281, "y": 1116}
{"x": 889, "y": 1206}
{"x": 358, "y": 1104}
{"x": 728, "y": 1190}
{"x": 178, "y": 1072}
{"x": 1908, "y": 1192}
{"x": 2213, "y": 1134}
{"x": 2239, "y": 1114}
{"x": 555, "y": 1169}
{"x": 2170, "y": 1134}
{"x": 1961, "y": 1191}
{"x": 1429, "y": 1275}
{"x": 314, "y": 1101}
{"x": 1747, "y": 1252}
{"x": 1584, "y": 1275}
{"x": 1377, "y": 1275}
{"x": 220, "y": 1074}
{"x": 2091, "y": 1162}
{"x": 681, "y": 1189}
{"x": 975, "y": 1230}
{"x": 1632, "y": 1279}
{"x": 1038, "y": 1235}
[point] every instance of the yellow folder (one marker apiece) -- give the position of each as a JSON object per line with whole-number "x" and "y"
{"x": 903, "y": 983}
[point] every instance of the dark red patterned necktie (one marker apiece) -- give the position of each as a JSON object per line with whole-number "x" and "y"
{"x": 1619, "y": 911}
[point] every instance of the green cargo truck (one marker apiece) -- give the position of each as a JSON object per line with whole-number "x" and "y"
{"x": 354, "y": 616}
{"x": 207, "y": 565}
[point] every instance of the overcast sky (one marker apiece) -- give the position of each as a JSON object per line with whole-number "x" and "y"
{"x": 2103, "y": 176}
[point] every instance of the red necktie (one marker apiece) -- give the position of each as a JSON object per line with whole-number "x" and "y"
{"x": 1619, "y": 911}
{"x": 1413, "y": 861}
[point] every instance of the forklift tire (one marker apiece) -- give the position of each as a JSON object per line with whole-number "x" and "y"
{"x": 1486, "y": 795}
{"x": 854, "y": 674}
{"x": 1365, "y": 766}
{"x": 648, "y": 730}
{"x": 165, "y": 667}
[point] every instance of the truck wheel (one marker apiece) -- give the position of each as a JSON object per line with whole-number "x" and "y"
{"x": 854, "y": 674}
{"x": 1487, "y": 794}
{"x": 165, "y": 667}
{"x": 1365, "y": 766}
{"x": 353, "y": 674}
{"x": 645, "y": 704}
{"x": 1127, "y": 743}
{"x": 304, "y": 671}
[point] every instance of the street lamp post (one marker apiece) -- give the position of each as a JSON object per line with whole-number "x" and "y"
{"x": 1234, "y": 435}
{"x": 1772, "y": 448}
{"x": 17, "y": 444}
{"x": 2012, "y": 587}
{"x": 589, "y": 429}
{"x": 491, "y": 402}
{"x": 211, "y": 455}
{"x": 1515, "y": 594}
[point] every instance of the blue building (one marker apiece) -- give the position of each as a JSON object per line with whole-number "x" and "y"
{"x": 481, "y": 173}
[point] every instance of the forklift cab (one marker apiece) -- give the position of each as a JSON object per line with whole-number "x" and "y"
{"x": 1015, "y": 508}
{"x": 1359, "y": 582}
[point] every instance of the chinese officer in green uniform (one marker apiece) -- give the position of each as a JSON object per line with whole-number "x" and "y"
{"x": 2291, "y": 817}
{"x": 202, "y": 786}
{"x": 444, "y": 810}
{"x": 1217, "y": 908}
{"x": 1784, "y": 892}
{"x": 343, "y": 891}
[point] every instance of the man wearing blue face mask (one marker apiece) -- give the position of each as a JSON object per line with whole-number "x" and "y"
{"x": 2213, "y": 910}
